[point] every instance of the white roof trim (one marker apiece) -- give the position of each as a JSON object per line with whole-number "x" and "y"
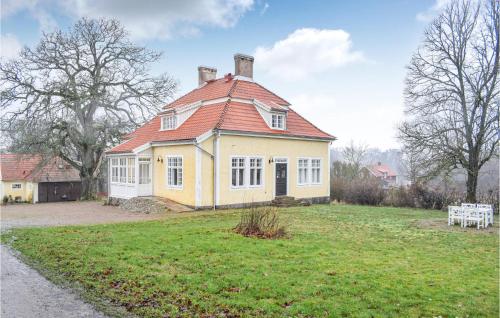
{"x": 204, "y": 136}
{"x": 142, "y": 148}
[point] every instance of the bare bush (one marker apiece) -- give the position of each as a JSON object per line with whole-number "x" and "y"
{"x": 364, "y": 191}
{"x": 260, "y": 222}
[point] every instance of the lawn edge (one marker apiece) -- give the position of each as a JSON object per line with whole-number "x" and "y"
{"x": 87, "y": 296}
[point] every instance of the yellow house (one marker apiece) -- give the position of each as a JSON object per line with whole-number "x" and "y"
{"x": 32, "y": 178}
{"x": 228, "y": 143}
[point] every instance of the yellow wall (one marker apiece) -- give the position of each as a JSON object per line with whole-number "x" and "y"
{"x": 235, "y": 146}
{"x": 26, "y": 191}
{"x": 186, "y": 195}
{"x": 267, "y": 148}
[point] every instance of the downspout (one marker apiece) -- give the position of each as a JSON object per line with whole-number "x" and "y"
{"x": 215, "y": 162}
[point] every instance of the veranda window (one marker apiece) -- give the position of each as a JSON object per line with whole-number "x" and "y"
{"x": 144, "y": 177}
{"x": 114, "y": 170}
{"x": 131, "y": 170}
{"x": 123, "y": 170}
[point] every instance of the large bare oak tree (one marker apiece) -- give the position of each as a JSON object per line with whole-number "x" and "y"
{"x": 452, "y": 92}
{"x": 77, "y": 92}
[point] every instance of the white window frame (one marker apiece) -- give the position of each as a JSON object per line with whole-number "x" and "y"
{"x": 144, "y": 161}
{"x": 309, "y": 171}
{"x": 238, "y": 167}
{"x": 320, "y": 171}
{"x": 307, "y": 168}
{"x": 131, "y": 170}
{"x": 122, "y": 178}
{"x": 246, "y": 172}
{"x": 169, "y": 122}
{"x": 275, "y": 121}
{"x": 256, "y": 168}
{"x": 181, "y": 167}
{"x": 115, "y": 164}
{"x": 16, "y": 186}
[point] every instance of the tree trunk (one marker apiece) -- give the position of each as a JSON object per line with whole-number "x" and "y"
{"x": 88, "y": 187}
{"x": 472, "y": 176}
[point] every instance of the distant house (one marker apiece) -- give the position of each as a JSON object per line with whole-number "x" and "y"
{"x": 227, "y": 143}
{"x": 383, "y": 173}
{"x": 34, "y": 179}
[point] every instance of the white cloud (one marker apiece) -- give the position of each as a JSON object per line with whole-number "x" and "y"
{"x": 307, "y": 51}
{"x": 9, "y": 46}
{"x": 163, "y": 19}
{"x": 433, "y": 11}
{"x": 143, "y": 19}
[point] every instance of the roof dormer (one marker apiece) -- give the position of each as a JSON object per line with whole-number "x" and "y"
{"x": 168, "y": 121}
{"x": 273, "y": 114}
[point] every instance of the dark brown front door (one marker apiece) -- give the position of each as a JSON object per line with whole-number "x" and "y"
{"x": 58, "y": 191}
{"x": 281, "y": 179}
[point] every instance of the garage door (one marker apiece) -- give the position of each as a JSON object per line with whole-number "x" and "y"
{"x": 59, "y": 191}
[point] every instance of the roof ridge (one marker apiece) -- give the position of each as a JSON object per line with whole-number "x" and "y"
{"x": 226, "y": 106}
{"x": 264, "y": 88}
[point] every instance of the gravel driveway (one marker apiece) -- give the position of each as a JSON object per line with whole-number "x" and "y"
{"x": 24, "y": 292}
{"x": 66, "y": 213}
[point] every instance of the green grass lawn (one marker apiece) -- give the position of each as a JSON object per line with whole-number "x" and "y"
{"x": 339, "y": 260}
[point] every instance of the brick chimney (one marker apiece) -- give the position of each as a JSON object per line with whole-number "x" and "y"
{"x": 243, "y": 65}
{"x": 206, "y": 74}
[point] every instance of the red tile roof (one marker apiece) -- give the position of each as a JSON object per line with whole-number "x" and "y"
{"x": 19, "y": 167}
{"x": 227, "y": 115}
{"x": 223, "y": 88}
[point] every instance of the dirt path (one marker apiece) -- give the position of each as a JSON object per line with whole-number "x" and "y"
{"x": 26, "y": 294}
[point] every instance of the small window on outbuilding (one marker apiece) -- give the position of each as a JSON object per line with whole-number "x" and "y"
{"x": 17, "y": 186}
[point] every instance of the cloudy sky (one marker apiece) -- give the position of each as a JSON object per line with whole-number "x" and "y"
{"x": 340, "y": 63}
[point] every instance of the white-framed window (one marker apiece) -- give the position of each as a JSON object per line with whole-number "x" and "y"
{"x": 123, "y": 170}
{"x": 316, "y": 171}
{"x": 303, "y": 171}
{"x": 168, "y": 122}
{"x": 114, "y": 170}
{"x": 131, "y": 170}
{"x": 278, "y": 121}
{"x": 16, "y": 186}
{"x": 256, "y": 172}
{"x": 144, "y": 165}
{"x": 174, "y": 171}
{"x": 309, "y": 171}
{"x": 238, "y": 165}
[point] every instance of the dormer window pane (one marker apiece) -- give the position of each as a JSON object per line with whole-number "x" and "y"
{"x": 168, "y": 122}
{"x": 278, "y": 121}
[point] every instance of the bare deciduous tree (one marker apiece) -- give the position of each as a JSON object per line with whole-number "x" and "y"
{"x": 77, "y": 92}
{"x": 354, "y": 156}
{"x": 452, "y": 91}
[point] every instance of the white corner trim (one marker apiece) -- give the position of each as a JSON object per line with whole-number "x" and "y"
{"x": 198, "y": 176}
{"x": 217, "y": 177}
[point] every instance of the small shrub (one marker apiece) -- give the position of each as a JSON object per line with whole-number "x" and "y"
{"x": 260, "y": 222}
{"x": 5, "y": 199}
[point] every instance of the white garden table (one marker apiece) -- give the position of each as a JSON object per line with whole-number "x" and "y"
{"x": 469, "y": 213}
